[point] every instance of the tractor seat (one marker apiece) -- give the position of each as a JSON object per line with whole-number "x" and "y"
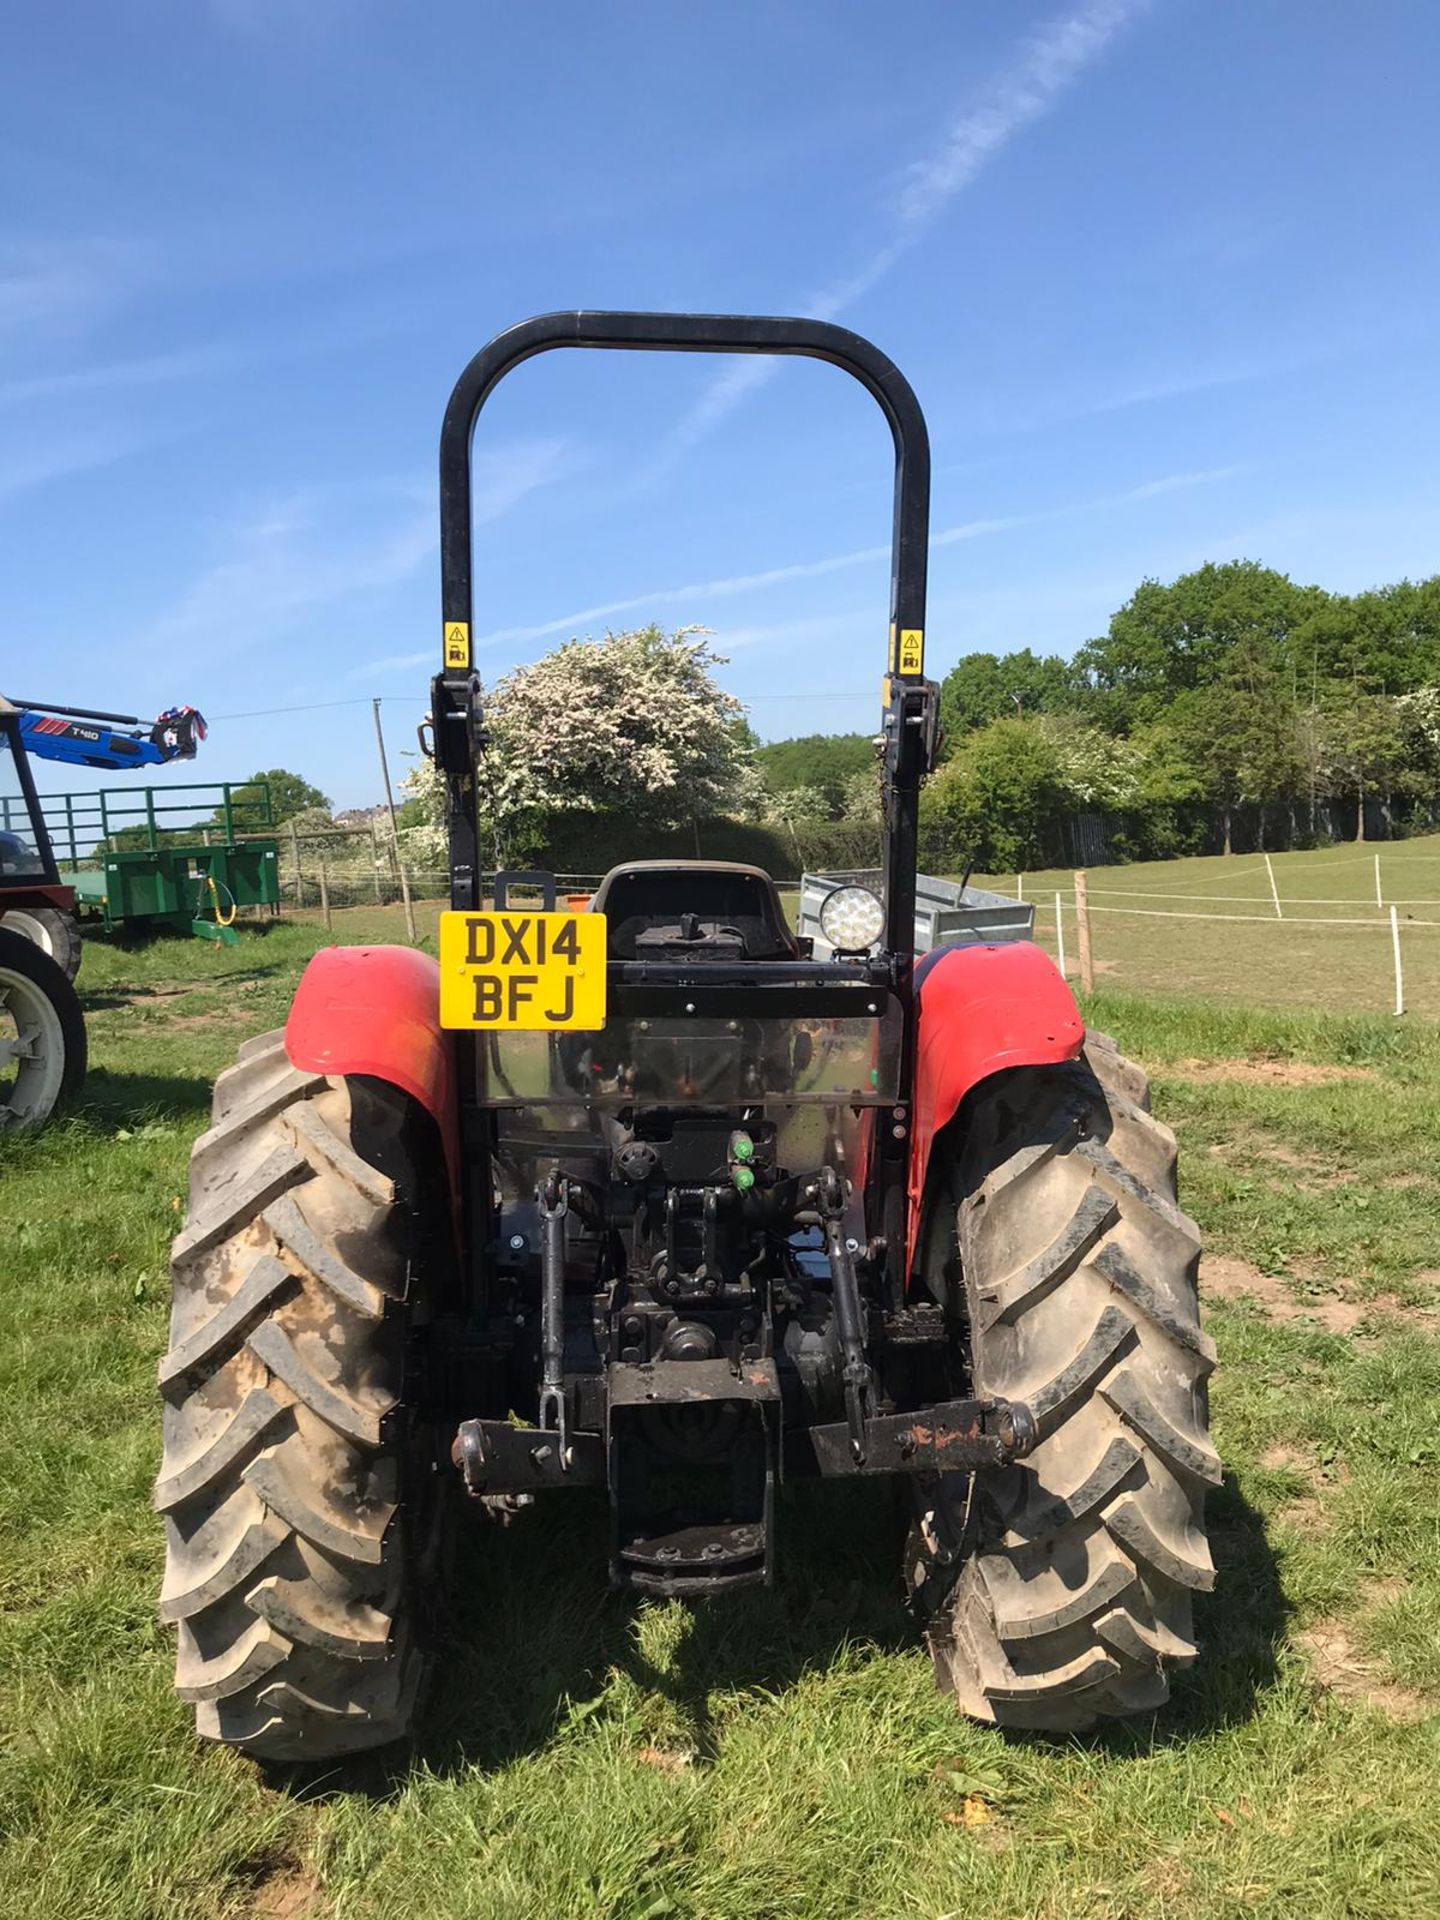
{"x": 692, "y": 910}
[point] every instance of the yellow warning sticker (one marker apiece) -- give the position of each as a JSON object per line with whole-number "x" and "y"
{"x": 457, "y": 643}
{"x": 910, "y": 652}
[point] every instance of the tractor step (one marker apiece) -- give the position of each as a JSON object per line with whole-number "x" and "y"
{"x": 693, "y": 1451}
{"x": 694, "y": 1557}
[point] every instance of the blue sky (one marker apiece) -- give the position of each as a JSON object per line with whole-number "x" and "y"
{"x": 1164, "y": 275}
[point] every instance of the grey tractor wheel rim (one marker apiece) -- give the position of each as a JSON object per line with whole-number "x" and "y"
{"x": 36, "y": 930}
{"x": 32, "y": 1051}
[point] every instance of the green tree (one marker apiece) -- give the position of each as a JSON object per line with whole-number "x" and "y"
{"x": 1168, "y": 640}
{"x": 1384, "y": 641}
{"x": 982, "y": 687}
{"x": 998, "y": 799}
{"x": 289, "y": 796}
{"x": 1204, "y": 726}
{"x": 825, "y": 763}
{"x": 1362, "y": 746}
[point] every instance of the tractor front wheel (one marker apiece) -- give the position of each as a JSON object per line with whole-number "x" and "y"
{"x": 1059, "y": 1589}
{"x": 302, "y": 1509}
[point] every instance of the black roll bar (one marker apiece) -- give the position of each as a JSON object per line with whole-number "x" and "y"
{"x": 906, "y": 726}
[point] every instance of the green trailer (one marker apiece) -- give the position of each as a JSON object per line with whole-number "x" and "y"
{"x": 134, "y": 860}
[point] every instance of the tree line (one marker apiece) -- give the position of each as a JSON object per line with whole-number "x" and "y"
{"x": 1230, "y": 707}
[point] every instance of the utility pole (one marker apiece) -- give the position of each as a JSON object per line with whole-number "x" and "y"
{"x": 390, "y": 803}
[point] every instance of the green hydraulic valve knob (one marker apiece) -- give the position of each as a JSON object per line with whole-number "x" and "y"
{"x": 744, "y": 1178}
{"x": 742, "y": 1147}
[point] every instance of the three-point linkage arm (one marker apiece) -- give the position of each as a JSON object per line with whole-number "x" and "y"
{"x": 114, "y": 741}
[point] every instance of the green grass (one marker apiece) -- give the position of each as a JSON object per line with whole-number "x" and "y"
{"x": 779, "y": 1753}
{"x": 1255, "y": 959}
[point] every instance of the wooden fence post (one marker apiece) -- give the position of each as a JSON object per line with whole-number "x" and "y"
{"x": 295, "y": 856}
{"x": 1082, "y": 929}
{"x": 394, "y": 830}
{"x": 325, "y": 887}
{"x": 375, "y": 860}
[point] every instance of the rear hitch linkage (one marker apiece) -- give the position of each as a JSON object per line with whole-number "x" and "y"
{"x": 829, "y": 1195}
{"x": 553, "y": 1195}
{"x": 505, "y": 1465}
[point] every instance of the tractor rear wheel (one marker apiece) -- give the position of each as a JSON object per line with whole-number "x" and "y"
{"x": 302, "y": 1511}
{"x": 53, "y": 932}
{"x": 1059, "y": 1588}
{"x": 42, "y": 1034}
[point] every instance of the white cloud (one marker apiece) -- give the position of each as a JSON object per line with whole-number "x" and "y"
{"x": 1047, "y": 65}
{"x": 55, "y": 288}
{"x": 321, "y": 547}
{"x": 37, "y": 465}
{"x": 696, "y": 593}
{"x": 156, "y": 369}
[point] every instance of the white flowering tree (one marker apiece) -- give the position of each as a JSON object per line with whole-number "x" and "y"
{"x": 633, "y": 724}
{"x": 1096, "y": 769}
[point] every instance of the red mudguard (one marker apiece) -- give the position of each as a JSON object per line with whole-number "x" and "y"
{"x": 376, "y": 1010}
{"x": 979, "y": 1009}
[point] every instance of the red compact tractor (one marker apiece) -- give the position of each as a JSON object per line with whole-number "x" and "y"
{"x": 646, "y": 1198}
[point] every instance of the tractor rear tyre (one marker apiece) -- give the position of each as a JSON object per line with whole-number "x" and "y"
{"x": 1058, "y": 1589}
{"x": 303, "y": 1513}
{"x": 55, "y": 933}
{"x": 42, "y": 1034}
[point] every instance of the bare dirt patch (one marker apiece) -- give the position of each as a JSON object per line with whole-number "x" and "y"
{"x": 1340, "y": 1668}
{"x": 1305, "y": 1515}
{"x": 1266, "y": 1073}
{"x": 1283, "y": 1156}
{"x": 1166, "y": 1878}
{"x": 1309, "y": 1511}
{"x": 219, "y": 1017}
{"x": 292, "y": 1894}
{"x": 1224, "y": 1277}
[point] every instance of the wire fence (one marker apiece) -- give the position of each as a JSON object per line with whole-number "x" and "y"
{"x": 1374, "y": 949}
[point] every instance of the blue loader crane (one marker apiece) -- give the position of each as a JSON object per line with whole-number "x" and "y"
{"x": 81, "y": 737}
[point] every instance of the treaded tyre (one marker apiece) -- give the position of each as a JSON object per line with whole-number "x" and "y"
{"x": 1076, "y": 1291}
{"x": 55, "y": 933}
{"x": 301, "y": 1513}
{"x": 42, "y": 1034}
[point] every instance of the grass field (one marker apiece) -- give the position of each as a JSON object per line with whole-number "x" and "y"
{"x": 1225, "y": 942}
{"x": 779, "y": 1753}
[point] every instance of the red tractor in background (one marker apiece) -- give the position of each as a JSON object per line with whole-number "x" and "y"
{"x": 42, "y": 1027}
{"x": 646, "y": 1198}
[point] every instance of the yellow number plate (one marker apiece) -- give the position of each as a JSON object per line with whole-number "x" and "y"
{"x": 531, "y": 971}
